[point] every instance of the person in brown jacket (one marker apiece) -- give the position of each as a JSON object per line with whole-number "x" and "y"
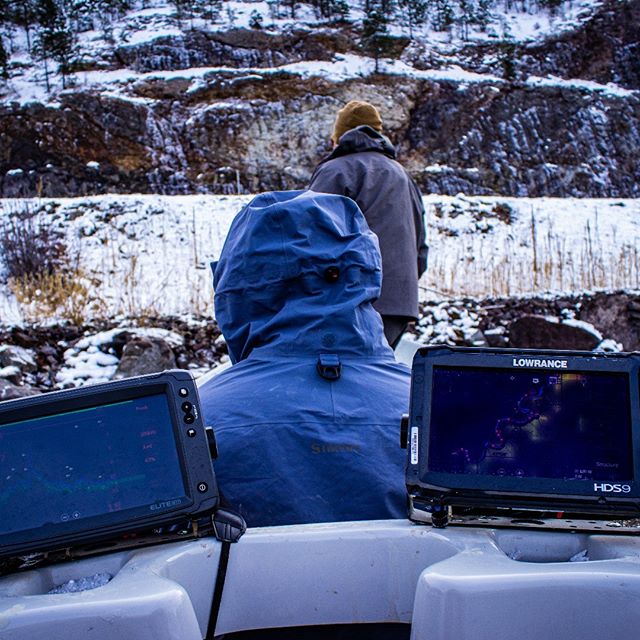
{"x": 363, "y": 167}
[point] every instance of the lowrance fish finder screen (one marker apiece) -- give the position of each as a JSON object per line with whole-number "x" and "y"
{"x": 531, "y": 424}
{"x": 89, "y": 462}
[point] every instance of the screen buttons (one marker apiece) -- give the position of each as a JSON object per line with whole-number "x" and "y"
{"x": 189, "y": 412}
{"x": 183, "y": 392}
{"x": 202, "y": 487}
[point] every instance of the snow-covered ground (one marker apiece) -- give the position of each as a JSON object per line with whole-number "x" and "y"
{"x": 149, "y": 255}
{"x": 517, "y": 22}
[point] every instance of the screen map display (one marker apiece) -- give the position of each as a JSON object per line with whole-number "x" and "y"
{"x": 542, "y": 424}
{"x": 86, "y": 463}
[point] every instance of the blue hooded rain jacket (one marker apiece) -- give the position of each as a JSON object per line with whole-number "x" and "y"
{"x": 293, "y": 293}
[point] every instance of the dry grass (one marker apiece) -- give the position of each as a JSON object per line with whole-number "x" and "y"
{"x": 545, "y": 262}
{"x": 122, "y": 274}
{"x": 68, "y": 295}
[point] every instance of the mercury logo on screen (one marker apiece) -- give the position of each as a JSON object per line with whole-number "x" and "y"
{"x": 540, "y": 363}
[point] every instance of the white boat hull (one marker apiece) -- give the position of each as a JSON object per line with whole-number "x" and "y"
{"x": 452, "y": 584}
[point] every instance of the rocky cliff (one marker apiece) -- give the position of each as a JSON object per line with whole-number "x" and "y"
{"x": 230, "y": 112}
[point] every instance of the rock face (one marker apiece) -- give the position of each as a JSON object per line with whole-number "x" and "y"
{"x": 544, "y": 142}
{"x": 145, "y": 355}
{"x": 236, "y": 48}
{"x": 606, "y": 49}
{"x": 568, "y": 322}
{"x": 248, "y": 128}
{"x": 10, "y": 391}
{"x": 613, "y": 315}
{"x": 39, "y": 354}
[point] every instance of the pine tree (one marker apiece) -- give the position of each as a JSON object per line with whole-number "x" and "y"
{"x": 443, "y": 14}
{"x": 507, "y": 60}
{"x": 292, "y": 5}
{"x": 115, "y": 7}
{"x": 387, "y": 7}
{"x": 255, "y": 20}
{"x": 54, "y": 39}
{"x": 24, "y": 14}
{"x": 107, "y": 12}
{"x": 183, "y": 8}
{"x": 4, "y": 61}
{"x": 81, "y": 14}
{"x": 550, "y": 4}
{"x": 375, "y": 32}
{"x": 208, "y": 9}
{"x": 466, "y": 10}
{"x": 274, "y": 9}
{"x": 331, "y": 9}
{"x": 483, "y": 13}
{"x": 414, "y": 13}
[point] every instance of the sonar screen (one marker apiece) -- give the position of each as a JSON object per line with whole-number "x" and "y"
{"x": 531, "y": 424}
{"x": 102, "y": 459}
{"x": 82, "y": 464}
{"x": 550, "y": 431}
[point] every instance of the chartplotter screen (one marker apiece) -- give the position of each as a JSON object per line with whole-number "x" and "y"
{"x": 530, "y": 424}
{"x": 79, "y": 464}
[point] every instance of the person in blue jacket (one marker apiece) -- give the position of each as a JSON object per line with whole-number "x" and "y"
{"x": 307, "y": 419}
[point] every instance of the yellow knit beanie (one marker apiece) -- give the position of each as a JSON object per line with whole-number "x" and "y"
{"x": 354, "y": 114}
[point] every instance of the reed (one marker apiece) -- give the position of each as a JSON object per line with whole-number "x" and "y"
{"x": 546, "y": 262}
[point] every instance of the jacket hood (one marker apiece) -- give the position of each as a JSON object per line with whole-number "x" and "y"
{"x": 297, "y": 275}
{"x": 363, "y": 138}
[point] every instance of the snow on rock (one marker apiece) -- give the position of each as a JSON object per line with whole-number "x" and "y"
{"x": 10, "y": 372}
{"x": 585, "y": 326}
{"x": 451, "y": 322}
{"x": 92, "y": 359}
{"x": 89, "y": 366}
{"x": 609, "y": 346}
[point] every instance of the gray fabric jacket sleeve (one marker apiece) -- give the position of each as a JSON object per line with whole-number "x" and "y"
{"x": 421, "y": 232}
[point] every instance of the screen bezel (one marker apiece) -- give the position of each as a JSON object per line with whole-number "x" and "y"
{"x": 460, "y": 489}
{"x": 192, "y": 455}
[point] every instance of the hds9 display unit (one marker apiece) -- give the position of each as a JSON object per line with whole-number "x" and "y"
{"x": 524, "y": 430}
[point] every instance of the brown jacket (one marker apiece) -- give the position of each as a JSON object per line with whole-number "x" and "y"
{"x": 363, "y": 168}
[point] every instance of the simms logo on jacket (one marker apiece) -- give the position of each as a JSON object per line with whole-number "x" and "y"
{"x": 607, "y": 487}
{"x": 334, "y": 448}
{"x": 542, "y": 363}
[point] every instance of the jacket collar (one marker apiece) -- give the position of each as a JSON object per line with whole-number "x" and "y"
{"x": 363, "y": 138}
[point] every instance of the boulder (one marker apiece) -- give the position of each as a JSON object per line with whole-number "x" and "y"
{"x": 538, "y": 332}
{"x": 10, "y": 391}
{"x": 14, "y": 356}
{"x": 143, "y": 355}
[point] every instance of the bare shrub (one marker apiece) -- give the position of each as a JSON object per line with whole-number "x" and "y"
{"x": 47, "y": 282}
{"x": 30, "y": 245}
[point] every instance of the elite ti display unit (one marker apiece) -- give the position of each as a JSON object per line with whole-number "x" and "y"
{"x": 89, "y": 464}
{"x": 523, "y": 430}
